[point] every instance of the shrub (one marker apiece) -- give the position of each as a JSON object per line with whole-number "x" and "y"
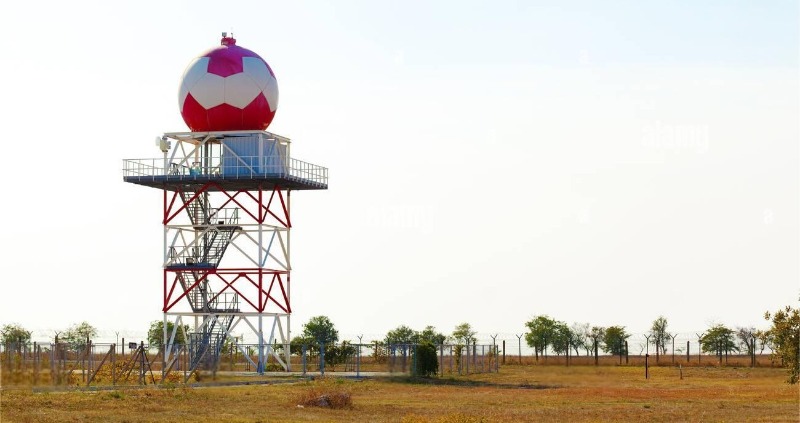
{"x": 785, "y": 334}
{"x": 324, "y": 394}
{"x": 425, "y": 360}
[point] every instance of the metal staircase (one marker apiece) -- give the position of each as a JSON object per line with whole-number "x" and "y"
{"x": 197, "y": 209}
{"x": 205, "y": 347}
{"x": 214, "y": 229}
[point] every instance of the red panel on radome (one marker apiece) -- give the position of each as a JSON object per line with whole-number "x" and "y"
{"x": 257, "y": 115}
{"x": 225, "y": 118}
{"x": 227, "y": 60}
{"x": 195, "y": 115}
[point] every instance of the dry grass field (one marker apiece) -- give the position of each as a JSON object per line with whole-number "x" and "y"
{"x": 517, "y": 393}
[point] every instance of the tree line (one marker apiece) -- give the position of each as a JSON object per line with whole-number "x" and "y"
{"x": 76, "y": 335}
{"x": 544, "y": 334}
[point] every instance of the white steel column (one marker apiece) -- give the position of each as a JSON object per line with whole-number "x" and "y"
{"x": 287, "y": 352}
{"x": 261, "y": 364}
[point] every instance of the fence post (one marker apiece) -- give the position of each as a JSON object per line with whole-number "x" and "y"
{"x": 39, "y": 359}
{"x": 451, "y": 359}
{"x": 687, "y": 351}
{"x": 391, "y": 356}
{"x": 114, "y": 365}
{"x": 35, "y": 362}
{"x": 53, "y": 363}
{"x": 699, "y": 346}
{"x": 466, "y": 347}
{"x": 404, "y": 350}
{"x": 184, "y": 359}
{"x": 658, "y": 349}
{"x": 673, "y": 348}
{"x": 475, "y": 355}
{"x": 142, "y": 380}
{"x": 414, "y": 362}
{"x": 303, "y": 358}
{"x": 358, "y": 361}
{"x": 322, "y": 358}
{"x": 89, "y": 361}
{"x": 626, "y": 352}
{"x": 726, "y": 353}
{"x": 441, "y": 360}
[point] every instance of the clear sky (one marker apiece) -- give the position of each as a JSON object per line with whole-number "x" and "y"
{"x": 602, "y": 162}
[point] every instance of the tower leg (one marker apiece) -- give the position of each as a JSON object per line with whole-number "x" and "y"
{"x": 287, "y": 352}
{"x": 165, "y": 347}
{"x": 261, "y": 366}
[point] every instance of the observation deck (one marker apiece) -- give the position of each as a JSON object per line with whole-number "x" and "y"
{"x": 232, "y": 160}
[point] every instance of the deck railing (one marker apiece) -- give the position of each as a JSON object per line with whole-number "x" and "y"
{"x": 242, "y": 168}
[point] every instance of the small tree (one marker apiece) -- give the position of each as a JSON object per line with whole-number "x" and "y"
{"x": 379, "y": 352}
{"x": 13, "y": 333}
{"x": 296, "y": 344}
{"x": 430, "y": 334}
{"x": 718, "y": 339}
{"x": 561, "y": 338}
{"x": 577, "y": 337}
{"x": 614, "y": 338}
{"x": 401, "y": 335}
{"x": 425, "y": 362}
{"x": 338, "y": 354}
{"x": 321, "y": 330}
{"x": 764, "y": 338}
{"x": 785, "y": 334}
{"x": 596, "y": 334}
{"x": 318, "y": 330}
{"x": 462, "y": 332}
{"x": 78, "y": 333}
{"x": 747, "y": 338}
{"x": 541, "y": 332}
{"x": 155, "y": 335}
{"x": 659, "y": 335}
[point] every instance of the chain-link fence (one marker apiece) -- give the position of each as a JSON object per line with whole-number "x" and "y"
{"x": 684, "y": 349}
{"x": 91, "y": 363}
